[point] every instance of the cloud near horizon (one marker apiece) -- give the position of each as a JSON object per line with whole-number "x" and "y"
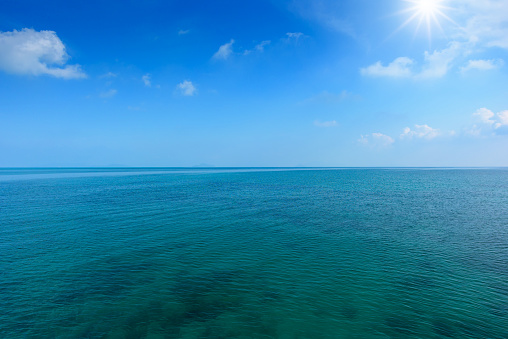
{"x": 376, "y": 139}
{"x": 486, "y": 116}
{"x": 29, "y": 52}
{"x": 420, "y": 132}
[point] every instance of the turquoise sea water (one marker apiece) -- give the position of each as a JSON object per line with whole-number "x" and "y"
{"x": 254, "y": 253}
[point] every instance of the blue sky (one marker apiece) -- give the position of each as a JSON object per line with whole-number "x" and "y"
{"x": 254, "y": 83}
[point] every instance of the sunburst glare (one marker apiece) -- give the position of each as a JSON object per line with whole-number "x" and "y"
{"x": 427, "y": 12}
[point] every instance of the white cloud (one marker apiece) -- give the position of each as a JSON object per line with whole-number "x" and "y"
{"x": 438, "y": 63}
{"x": 108, "y": 94}
{"x": 376, "y": 139}
{"x": 484, "y": 115}
{"x": 187, "y": 88}
{"x": 261, "y": 46}
{"x": 383, "y": 139}
{"x": 36, "y": 53}
{"x": 325, "y": 123}
{"x": 482, "y": 24}
{"x": 400, "y": 67}
{"x": 482, "y": 65}
{"x": 435, "y": 65}
{"x": 503, "y": 118}
{"x": 183, "y": 32}
{"x": 295, "y": 36}
{"x": 147, "y": 80}
{"x": 420, "y": 132}
{"x": 364, "y": 139}
{"x": 224, "y": 51}
{"x": 487, "y": 117}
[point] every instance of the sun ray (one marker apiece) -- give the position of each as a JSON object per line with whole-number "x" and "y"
{"x": 426, "y": 11}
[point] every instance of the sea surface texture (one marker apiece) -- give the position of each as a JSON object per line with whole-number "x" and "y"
{"x": 254, "y": 253}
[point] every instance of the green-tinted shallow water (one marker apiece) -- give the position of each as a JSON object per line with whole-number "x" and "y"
{"x": 174, "y": 253}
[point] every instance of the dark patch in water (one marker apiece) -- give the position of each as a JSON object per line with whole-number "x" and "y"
{"x": 104, "y": 283}
{"x": 203, "y": 298}
{"x": 206, "y": 310}
{"x": 348, "y": 311}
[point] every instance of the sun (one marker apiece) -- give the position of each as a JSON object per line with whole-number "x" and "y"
{"x": 427, "y": 12}
{"x": 427, "y": 7}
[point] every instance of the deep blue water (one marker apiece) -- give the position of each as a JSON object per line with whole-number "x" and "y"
{"x": 253, "y": 253}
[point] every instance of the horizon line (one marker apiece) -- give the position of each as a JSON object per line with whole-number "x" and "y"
{"x": 236, "y": 167}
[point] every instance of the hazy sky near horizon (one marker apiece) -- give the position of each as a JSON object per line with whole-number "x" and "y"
{"x": 254, "y": 83}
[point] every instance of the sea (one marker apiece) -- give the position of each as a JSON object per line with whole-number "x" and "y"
{"x": 254, "y": 253}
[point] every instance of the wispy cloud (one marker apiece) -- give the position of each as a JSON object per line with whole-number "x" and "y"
{"x": 261, "y": 46}
{"x": 293, "y": 36}
{"x": 487, "y": 22}
{"x": 36, "y": 53}
{"x": 399, "y": 68}
{"x": 187, "y": 88}
{"x": 108, "y": 75}
{"x": 420, "y": 132}
{"x": 147, "y": 80}
{"x": 376, "y": 139}
{"x": 183, "y": 31}
{"x": 332, "y": 123}
{"x": 224, "y": 51}
{"x": 482, "y": 65}
{"x": 438, "y": 63}
{"x": 258, "y": 48}
{"x": 435, "y": 64}
{"x": 108, "y": 94}
{"x": 329, "y": 14}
